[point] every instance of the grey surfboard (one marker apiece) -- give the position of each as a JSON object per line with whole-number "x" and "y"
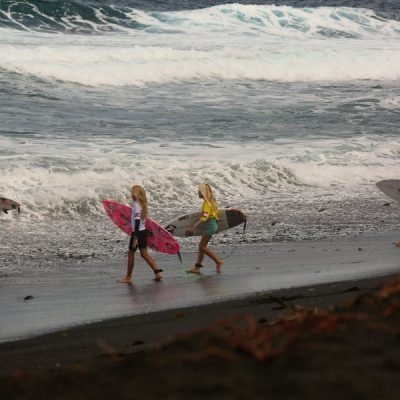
{"x": 8, "y": 204}
{"x": 228, "y": 218}
{"x": 390, "y": 187}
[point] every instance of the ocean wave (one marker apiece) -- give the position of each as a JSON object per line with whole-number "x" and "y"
{"x": 53, "y": 192}
{"x": 83, "y": 18}
{"x": 229, "y": 42}
{"x": 124, "y": 64}
{"x": 73, "y": 186}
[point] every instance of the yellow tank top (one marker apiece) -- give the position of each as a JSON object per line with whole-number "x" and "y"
{"x": 207, "y": 212}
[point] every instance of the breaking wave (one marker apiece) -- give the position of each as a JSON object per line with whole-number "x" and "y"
{"x": 121, "y": 46}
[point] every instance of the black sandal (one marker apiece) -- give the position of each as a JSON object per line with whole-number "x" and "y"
{"x": 197, "y": 265}
{"x": 157, "y": 271}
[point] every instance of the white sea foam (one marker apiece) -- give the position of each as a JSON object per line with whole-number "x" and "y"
{"x": 232, "y": 18}
{"x": 392, "y": 102}
{"x": 234, "y": 42}
{"x": 140, "y": 65}
{"x": 77, "y": 181}
{"x": 279, "y": 20}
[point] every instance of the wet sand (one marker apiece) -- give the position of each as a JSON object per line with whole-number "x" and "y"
{"x": 127, "y": 334}
{"x": 290, "y": 320}
{"x": 336, "y": 340}
{"x": 83, "y": 293}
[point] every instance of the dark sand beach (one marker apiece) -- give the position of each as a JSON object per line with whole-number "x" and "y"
{"x": 289, "y": 111}
{"x": 283, "y": 321}
{"x": 340, "y": 339}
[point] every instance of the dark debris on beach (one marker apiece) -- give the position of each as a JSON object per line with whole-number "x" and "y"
{"x": 349, "y": 351}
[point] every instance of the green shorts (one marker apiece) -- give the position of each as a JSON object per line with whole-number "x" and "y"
{"x": 210, "y": 227}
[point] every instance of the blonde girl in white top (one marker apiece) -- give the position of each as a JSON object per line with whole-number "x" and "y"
{"x": 139, "y": 234}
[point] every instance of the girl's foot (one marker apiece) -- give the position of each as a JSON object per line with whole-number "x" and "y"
{"x": 125, "y": 279}
{"x": 220, "y": 263}
{"x": 397, "y": 244}
{"x": 195, "y": 269}
{"x": 158, "y": 275}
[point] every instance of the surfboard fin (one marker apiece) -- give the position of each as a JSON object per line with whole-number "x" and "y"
{"x": 179, "y": 255}
{"x": 5, "y": 211}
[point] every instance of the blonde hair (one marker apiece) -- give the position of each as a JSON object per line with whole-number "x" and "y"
{"x": 139, "y": 192}
{"x": 208, "y": 195}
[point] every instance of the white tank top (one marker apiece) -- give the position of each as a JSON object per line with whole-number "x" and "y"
{"x": 137, "y": 214}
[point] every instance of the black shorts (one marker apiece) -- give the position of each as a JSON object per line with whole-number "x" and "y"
{"x": 142, "y": 240}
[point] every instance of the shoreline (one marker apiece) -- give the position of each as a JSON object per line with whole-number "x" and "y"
{"x": 85, "y": 293}
{"x": 138, "y": 333}
{"x": 270, "y": 335}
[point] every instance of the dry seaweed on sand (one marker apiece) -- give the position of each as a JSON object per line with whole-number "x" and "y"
{"x": 351, "y": 351}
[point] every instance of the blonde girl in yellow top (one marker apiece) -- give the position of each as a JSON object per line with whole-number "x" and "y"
{"x": 139, "y": 235}
{"x": 209, "y": 216}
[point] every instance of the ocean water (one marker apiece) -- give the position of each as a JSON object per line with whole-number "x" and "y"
{"x": 290, "y": 113}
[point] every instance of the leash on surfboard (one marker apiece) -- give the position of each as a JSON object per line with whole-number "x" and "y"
{"x": 237, "y": 244}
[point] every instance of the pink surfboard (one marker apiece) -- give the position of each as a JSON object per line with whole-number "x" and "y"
{"x": 158, "y": 238}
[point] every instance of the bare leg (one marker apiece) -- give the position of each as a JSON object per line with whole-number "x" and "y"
{"x": 200, "y": 255}
{"x": 203, "y": 249}
{"x": 397, "y": 244}
{"x": 218, "y": 261}
{"x": 131, "y": 263}
{"x": 152, "y": 264}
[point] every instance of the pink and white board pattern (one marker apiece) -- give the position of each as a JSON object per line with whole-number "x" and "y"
{"x": 158, "y": 238}
{"x": 8, "y": 204}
